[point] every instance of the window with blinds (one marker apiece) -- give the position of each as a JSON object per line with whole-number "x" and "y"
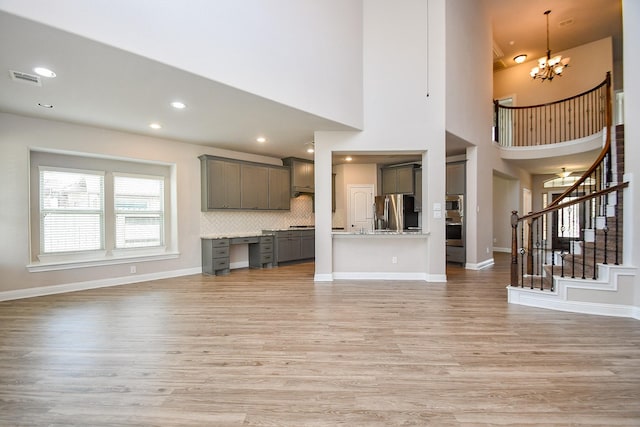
{"x": 139, "y": 211}
{"x": 98, "y": 209}
{"x": 71, "y": 211}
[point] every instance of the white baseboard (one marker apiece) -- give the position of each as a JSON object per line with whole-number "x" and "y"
{"x": 323, "y": 277}
{"x": 505, "y": 250}
{"x": 93, "y": 284}
{"x": 550, "y": 300}
{"x": 480, "y": 265}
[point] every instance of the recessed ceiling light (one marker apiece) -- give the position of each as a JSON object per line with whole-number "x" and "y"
{"x": 44, "y": 72}
{"x": 261, "y": 139}
{"x": 348, "y": 158}
{"x": 155, "y": 126}
{"x": 520, "y": 58}
{"x": 178, "y": 105}
{"x": 40, "y": 104}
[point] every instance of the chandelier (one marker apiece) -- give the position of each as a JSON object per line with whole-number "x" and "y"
{"x": 549, "y": 67}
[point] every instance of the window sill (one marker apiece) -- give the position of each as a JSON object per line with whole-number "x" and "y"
{"x": 121, "y": 257}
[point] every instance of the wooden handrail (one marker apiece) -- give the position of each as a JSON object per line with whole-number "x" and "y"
{"x": 553, "y": 122}
{"x": 575, "y": 201}
{"x": 606, "y": 81}
{"x": 603, "y": 153}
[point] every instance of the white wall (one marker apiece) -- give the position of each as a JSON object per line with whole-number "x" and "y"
{"x": 469, "y": 116}
{"x": 587, "y": 69}
{"x": 631, "y": 31}
{"x": 398, "y": 115}
{"x": 305, "y": 54}
{"x": 19, "y": 134}
{"x": 505, "y": 199}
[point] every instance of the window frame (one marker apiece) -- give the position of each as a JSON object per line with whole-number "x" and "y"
{"x": 111, "y": 167}
{"x": 44, "y": 211}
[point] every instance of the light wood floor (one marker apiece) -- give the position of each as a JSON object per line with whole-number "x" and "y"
{"x": 271, "y": 348}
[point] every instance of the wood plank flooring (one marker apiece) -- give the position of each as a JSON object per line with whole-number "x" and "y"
{"x": 271, "y": 348}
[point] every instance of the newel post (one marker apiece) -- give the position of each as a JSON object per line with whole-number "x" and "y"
{"x": 514, "y": 248}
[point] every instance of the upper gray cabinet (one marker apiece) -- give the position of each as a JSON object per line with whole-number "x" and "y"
{"x": 220, "y": 184}
{"x": 301, "y": 175}
{"x": 235, "y": 184}
{"x": 255, "y": 187}
{"x": 279, "y": 189}
{"x": 456, "y": 178}
{"x": 398, "y": 180}
{"x": 417, "y": 206}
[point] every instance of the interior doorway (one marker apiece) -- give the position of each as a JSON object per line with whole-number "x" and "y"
{"x": 360, "y": 207}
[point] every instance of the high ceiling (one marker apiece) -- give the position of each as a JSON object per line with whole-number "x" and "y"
{"x": 107, "y": 87}
{"x": 519, "y": 26}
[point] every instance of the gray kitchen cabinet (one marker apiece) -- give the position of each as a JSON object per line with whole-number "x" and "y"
{"x": 307, "y": 244}
{"x": 301, "y": 175}
{"x": 455, "y": 254}
{"x": 417, "y": 206}
{"x": 288, "y": 244}
{"x": 240, "y": 185}
{"x": 261, "y": 254}
{"x": 255, "y": 186}
{"x": 220, "y": 184}
{"x": 215, "y": 256}
{"x": 279, "y": 189}
{"x": 293, "y": 245}
{"x": 398, "y": 180}
{"x": 456, "y": 178}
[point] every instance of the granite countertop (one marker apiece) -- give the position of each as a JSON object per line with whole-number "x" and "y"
{"x": 264, "y": 232}
{"x": 232, "y": 235}
{"x": 380, "y": 233}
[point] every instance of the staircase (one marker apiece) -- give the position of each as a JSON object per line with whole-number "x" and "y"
{"x": 580, "y": 268}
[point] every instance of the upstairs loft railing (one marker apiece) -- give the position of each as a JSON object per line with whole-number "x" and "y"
{"x": 565, "y": 120}
{"x": 579, "y": 229}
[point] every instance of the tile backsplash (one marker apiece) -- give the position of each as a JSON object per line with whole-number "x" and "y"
{"x": 218, "y": 222}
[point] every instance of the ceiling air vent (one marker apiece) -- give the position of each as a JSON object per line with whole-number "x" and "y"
{"x": 18, "y": 76}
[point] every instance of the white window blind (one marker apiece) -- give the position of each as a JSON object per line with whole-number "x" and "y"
{"x": 71, "y": 211}
{"x": 139, "y": 211}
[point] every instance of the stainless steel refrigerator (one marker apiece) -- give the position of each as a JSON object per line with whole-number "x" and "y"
{"x": 395, "y": 212}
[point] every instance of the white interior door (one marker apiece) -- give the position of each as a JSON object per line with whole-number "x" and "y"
{"x": 360, "y": 207}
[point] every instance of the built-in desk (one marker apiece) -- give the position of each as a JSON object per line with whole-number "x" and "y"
{"x": 215, "y": 251}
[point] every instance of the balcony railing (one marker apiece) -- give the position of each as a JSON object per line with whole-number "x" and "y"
{"x": 572, "y": 118}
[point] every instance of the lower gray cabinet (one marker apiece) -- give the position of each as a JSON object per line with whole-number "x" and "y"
{"x": 288, "y": 244}
{"x": 307, "y": 244}
{"x": 456, "y": 254}
{"x": 261, "y": 253}
{"x": 215, "y": 256}
{"x": 294, "y": 245}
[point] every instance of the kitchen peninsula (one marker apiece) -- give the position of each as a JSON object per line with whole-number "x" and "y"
{"x": 381, "y": 255}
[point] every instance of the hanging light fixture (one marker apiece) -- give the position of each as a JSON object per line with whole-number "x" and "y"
{"x": 549, "y": 67}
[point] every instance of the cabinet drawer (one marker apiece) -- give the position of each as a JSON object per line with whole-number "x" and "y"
{"x": 287, "y": 234}
{"x": 266, "y": 248}
{"x": 220, "y": 252}
{"x": 221, "y": 264}
{"x": 266, "y": 258}
{"x": 241, "y": 240}
{"x": 220, "y": 243}
{"x": 266, "y": 239}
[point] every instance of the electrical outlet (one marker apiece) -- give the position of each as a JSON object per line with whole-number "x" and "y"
{"x": 394, "y": 260}
{"x": 132, "y": 269}
{"x": 488, "y": 250}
